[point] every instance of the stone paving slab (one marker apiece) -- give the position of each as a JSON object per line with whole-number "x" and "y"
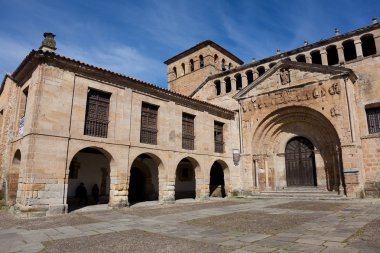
{"x": 355, "y": 228}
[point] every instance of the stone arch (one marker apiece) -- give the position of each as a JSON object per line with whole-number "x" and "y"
{"x": 223, "y": 66}
{"x": 13, "y": 178}
{"x": 146, "y": 174}
{"x": 332, "y": 55}
{"x": 260, "y": 70}
{"x": 239, "y": 81}
{"x": 201, "y": 61}
{"x": 301, "y": 58}
{"x": 89, "y": 166}
{"x": 249, "y": 74}
{"x": 227, "y": 81}
{"x": 219, "y": 185}
{"x": 368, "y": 45}
{"x": 191, "y": 63}
{"x": 183, "y": 69}
{"x": 277, "y": 128}
{"x": 272, "y": 65}
{"x": 175, "y": 72}
{"x": 349, "y": 50}
{"x": 218, "y": 87}
{"x": 188, "y": 179}
{"x": 316, "y": 57}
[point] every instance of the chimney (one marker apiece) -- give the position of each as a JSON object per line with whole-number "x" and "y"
{"x": 374, "y": 20}
{"x": 278, "y": 51}
{"x": 48, "y": 44}
{"x": 337, "y": 32}
{"x": 305, "y": 43}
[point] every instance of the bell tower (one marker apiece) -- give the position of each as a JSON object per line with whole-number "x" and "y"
{"x": 189, "y": 69}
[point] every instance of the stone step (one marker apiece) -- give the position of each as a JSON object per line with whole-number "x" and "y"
{"x": 312, "y": 193}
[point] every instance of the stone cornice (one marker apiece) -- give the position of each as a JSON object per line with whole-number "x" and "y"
{"x": 37, "y": 57}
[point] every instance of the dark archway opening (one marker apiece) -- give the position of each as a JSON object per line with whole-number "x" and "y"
{"x": 185, "y": 182}
{"x": 316, "y": 57}
{"x": 217, "y": 87}
{"x": 143, "y": 180}
{"x": 300, "y": 162}
{"x": 89, "y": 179}
{"x": 368, "y": 45}
{"x": 260, "y": 70}
{"x": 349, "y": 50}
{"x": 249, "y": 74}
{"x": 217, "y": 184}
{"x": 332, "y": 55}
{"x": 228, "y": 84}
{"x": 239, "y": 83}
{"x": 301, "y": 58}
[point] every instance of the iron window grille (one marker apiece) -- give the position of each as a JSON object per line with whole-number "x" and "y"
{"x": 97, "y": 110}
{"x": 188, "y": 131}
{"x": 148, "y": 133}
{"x": 218, "y": 137}
{"x": 373, "y": 119}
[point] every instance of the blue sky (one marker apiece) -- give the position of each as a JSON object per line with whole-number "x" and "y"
{"x": 136, "y": 37}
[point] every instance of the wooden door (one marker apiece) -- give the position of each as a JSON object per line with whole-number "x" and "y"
{"x": 300, "y": 162}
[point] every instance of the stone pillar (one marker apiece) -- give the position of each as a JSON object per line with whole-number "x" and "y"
{"x": 255, "y": 75}
{"x": 376, "y": 37}
{"x": 233, "y": 84}
{"x": 266, "y": 168}
{"x": 358, "y": 48}
{"x": 340, "y": 54}
{"x": 244, "y": 81}
{"x": 324, "y": 56}
{"x": 222, "y": 87}
{"x": 308, "y": 58}
{"x": 213, "y": 89}
{"x": 169, "y": 194}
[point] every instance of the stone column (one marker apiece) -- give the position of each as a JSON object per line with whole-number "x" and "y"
{"x": 222, "y": 87}
{"x": 308, "y": 58}
{"x": 244, "y": 81}
{"x": 213, "y": 89}
{"x": 376, "y": 37}
{"x": 324, "y": 56}
{"x": 233, "y": 84}
{"x": 340, "y": 54}
{"x": 358, "y": 47}
{"x": 255, "y": 75}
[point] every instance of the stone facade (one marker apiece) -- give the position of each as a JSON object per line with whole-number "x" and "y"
{"x": 299, "y": 118}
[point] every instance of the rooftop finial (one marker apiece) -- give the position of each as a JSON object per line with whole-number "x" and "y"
{"x": 337, "y": 32}
{"x": 254, "y": 59}
{"x": 48, "y": 44}
{"x": 374, "y": 20}
{"x": 278, "y": 51}
{"x": 305, "y": 43}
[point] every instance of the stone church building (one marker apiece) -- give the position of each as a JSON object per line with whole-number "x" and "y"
{"x": 305, "y": 118}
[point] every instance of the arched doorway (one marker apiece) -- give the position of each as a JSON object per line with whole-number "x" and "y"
{"x": 217, "y": 183}
{"x": 143, "y": 180}
{"x": 13, "y": 177}
{"x": 89, "y": 167}
{"x": 300, "y": 162}
{"x": 185, "y": 182}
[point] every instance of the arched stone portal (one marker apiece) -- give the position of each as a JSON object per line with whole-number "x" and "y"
{"x": 13, "y": 177}
{"x": 217, "y": 186}
{"x": 300, "y": 162}
{"x": 89, "y": 166}
{"x": 143, "y": 180}
{"x": 273, "y": 133}
{"x": 185, "y": 182}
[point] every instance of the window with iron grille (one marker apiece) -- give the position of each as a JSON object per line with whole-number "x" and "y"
{"x": 218, "y": 137}
{"x": 188, "y": 131}
{"x": 373, "y": 119}
{"x": 96, "y": 122}
{"x": 148, "y": 133}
